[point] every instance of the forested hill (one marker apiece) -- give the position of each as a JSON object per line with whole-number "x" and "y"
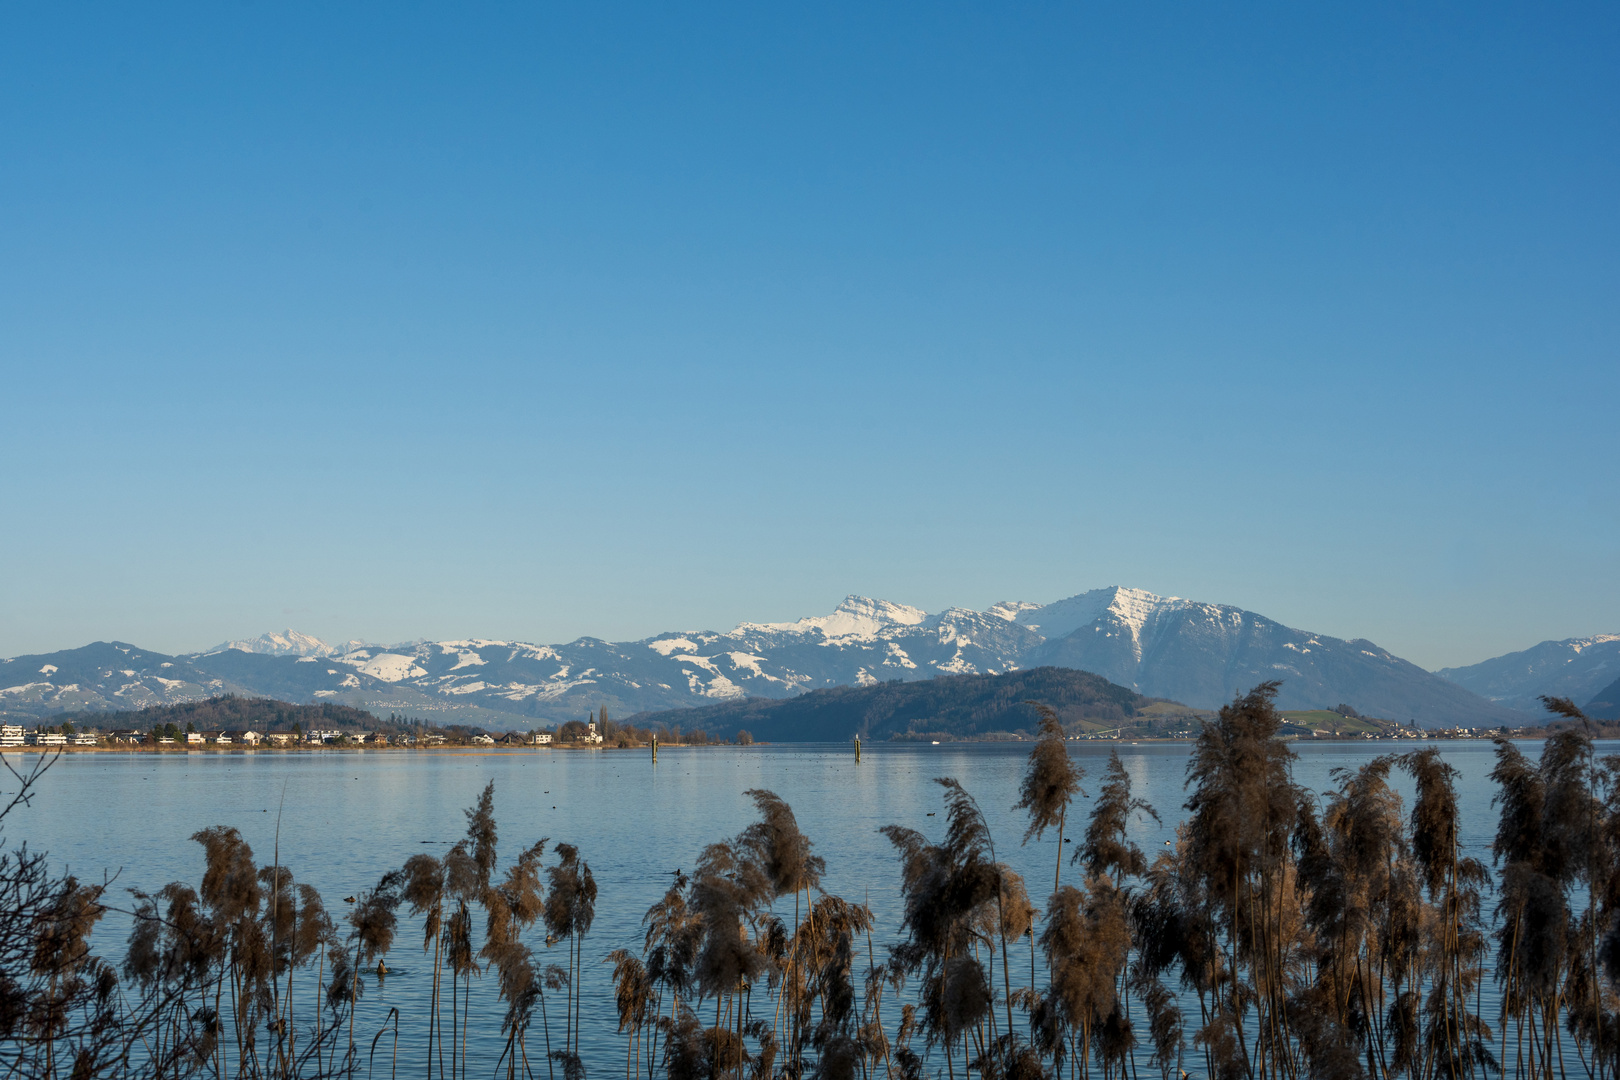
{"x": 231, "y": 712}
{"x": 951, "y": 706}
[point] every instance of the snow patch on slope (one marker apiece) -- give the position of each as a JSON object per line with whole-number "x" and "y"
{"x": 466, "y": 653}
{"x": 26, "y": 687}
{"x": 389, "y": 667}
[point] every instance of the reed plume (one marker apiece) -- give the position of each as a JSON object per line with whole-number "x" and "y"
{"x": 569, "y": 911}
{"x": 1051, "y": 781}
{"x": 1455, "y": 1036}
{"x": 945, "y": 888}
{"x": 1242, "y": 811}
{"x": 633, "y": 996}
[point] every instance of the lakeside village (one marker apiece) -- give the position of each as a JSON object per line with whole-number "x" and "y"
{"x": 12, "y": 735}
{"x": 303, "y": 728}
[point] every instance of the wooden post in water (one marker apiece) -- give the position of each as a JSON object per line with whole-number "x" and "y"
{"x": 655, "y": 749}
{"x": 857, "y": 749}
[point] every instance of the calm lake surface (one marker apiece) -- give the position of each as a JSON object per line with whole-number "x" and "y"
{"x": 347, "y": 817}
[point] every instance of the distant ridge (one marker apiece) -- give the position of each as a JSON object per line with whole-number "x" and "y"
{"x": 1576, "y": 668}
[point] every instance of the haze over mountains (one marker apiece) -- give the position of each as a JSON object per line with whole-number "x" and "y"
{"x": 287, "y": 643}
{"x": 1166, "y": 647}
{"x": 1576, "y": 668}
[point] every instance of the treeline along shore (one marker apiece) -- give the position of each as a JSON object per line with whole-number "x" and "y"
{"x": 1281, "y": 934}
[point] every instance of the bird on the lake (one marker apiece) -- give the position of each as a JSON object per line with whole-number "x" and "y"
{"x": 348, "y": 899}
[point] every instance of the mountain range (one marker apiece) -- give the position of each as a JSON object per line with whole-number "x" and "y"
{"x": 1195, "y": 653}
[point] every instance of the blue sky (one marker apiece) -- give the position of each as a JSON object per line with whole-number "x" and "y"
{"x": 535, "y": 321}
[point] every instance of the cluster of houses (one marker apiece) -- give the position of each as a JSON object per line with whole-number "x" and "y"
{"x": 250, "y": 738}
{"x": 14, "y": 735}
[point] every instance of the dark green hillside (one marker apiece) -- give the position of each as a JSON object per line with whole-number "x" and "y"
{"x": 952, "y": 706}
{"x": 1606, "y": 705}
{"x": 228, "y": 712}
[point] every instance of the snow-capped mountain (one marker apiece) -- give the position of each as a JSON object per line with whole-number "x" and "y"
{"x": 1202, "y": 654}
{"x": 286, "y": 643}
{"x": 1576, "y": 668}
{"x": 1195, "y": 653}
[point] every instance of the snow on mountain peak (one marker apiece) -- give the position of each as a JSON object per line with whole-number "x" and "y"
{"x": 858, "y": 618}
{"x": 861, "y": 607}
{"x": 1010, "y": 609}
{"x": 287, "y": 643}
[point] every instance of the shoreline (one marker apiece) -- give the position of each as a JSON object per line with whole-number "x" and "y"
{"x": 462, "y": 749}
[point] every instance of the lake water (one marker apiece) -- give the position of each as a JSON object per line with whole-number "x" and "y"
{"x": 347, "y": 817}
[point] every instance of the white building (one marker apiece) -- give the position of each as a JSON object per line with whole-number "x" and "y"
{"x": 323, "y": 736}
{"x": 591, "y": 735}
{"x": 542, "y": 738}
{"x": 195, "y": 738}
{"x": 48, "y": 738}
{"x": 11, "y": 735}
{"x": 85, "y": 738}
{"x": 489, "y": 739}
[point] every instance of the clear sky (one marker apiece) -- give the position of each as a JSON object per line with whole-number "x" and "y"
{"x": 538, "y": 321}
